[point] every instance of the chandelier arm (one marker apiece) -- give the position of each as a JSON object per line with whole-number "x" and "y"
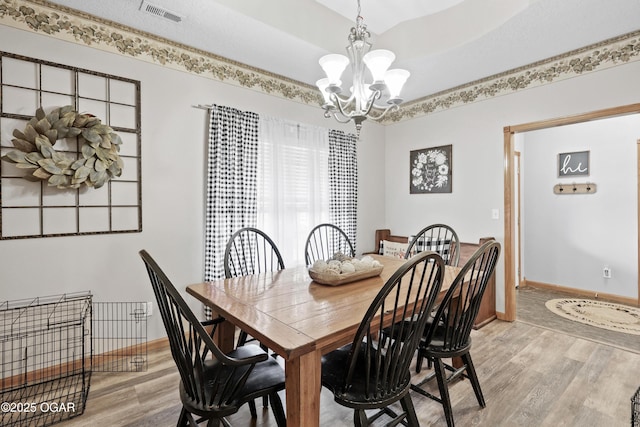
{"x": 342, "y": 102}
{"x": 342, "y": 105}
{"x": 372, "y": 99}
{"x": 329, "y": 113}
{"x": 391, "y": 107}
{"x": 342, "y": 116}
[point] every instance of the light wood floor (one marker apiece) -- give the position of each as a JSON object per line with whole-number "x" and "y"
{"x": 530, "y": 376}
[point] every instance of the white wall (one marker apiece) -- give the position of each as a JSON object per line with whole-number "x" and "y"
{"x": 568, "y": 239}
{"x": 173, "y": 168}
{"x": 476, "y": 133}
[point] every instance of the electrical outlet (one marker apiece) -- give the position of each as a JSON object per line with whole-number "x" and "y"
{"x": 149, "y": 308}
{"x": 606, "y": 272}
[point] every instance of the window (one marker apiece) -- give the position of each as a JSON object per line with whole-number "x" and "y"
{"x": 293, "y": 183}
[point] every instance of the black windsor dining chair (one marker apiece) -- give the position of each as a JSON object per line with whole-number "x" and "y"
{"x": 213, "y": 384}
{"x": 439, "y": 238}
{"x": 371, "y": 373}
{"x": 251, "y": 251}
{"x": 324, "y": 241}
{"x": 449, "y": 334}
{"x": 443, "y": 240}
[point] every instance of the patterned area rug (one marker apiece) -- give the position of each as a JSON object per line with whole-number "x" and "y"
{"x": 601, "y": 314}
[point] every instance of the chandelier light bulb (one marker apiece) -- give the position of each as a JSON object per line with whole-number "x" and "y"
{"x": 323, "y": 84}
{"x": 395, "y": 80}
{"x": 378, "y": 61}
{"x": 333, "y": 66}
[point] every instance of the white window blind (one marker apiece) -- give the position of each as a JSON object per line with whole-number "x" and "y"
{"x": 293, "y": 183}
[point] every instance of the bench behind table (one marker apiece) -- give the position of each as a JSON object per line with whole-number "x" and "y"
{"x": 487, "y": 311}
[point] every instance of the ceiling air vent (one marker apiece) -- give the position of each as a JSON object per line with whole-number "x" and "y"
{"x": 160, "y": 11}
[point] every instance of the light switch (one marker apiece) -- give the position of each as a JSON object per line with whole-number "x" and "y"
{"x": 495, "y": 213}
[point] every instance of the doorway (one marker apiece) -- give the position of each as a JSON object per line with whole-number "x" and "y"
{"x": 517, "y": 256}
{"x": 510, "y": 200}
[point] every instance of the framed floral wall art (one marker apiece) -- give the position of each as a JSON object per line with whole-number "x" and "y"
{"x": 430, "y": 170}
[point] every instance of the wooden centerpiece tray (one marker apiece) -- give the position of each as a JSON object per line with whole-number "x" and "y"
{"x": 335, "y": 279}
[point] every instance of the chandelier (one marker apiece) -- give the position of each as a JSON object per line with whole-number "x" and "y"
{"x": 359, "y": 103}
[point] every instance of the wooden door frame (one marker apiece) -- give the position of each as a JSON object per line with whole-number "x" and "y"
{"x": 509, "y": 213}
{"x": 518, "y": 272}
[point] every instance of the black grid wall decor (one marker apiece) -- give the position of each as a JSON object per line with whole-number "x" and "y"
{"x": 31, "y": 208}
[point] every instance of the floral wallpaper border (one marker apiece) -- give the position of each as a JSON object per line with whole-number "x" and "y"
{"x": 60, "y": 22}
{"x": 606, "y": 54}
{"x": 41, "y": 16}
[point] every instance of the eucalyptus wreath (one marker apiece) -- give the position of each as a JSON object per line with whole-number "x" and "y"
{"x": 96, "y": 163}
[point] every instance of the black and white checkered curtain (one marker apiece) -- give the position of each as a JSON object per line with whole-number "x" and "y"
{"x": 231, "y": 182}
{"x": 343, "y": 182}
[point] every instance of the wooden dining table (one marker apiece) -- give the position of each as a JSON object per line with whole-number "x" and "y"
{"x": 298, "y": 319}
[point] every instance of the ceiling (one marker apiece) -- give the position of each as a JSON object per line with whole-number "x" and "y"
{"x": 443, "y": 43}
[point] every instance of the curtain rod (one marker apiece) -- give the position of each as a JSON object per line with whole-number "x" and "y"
{"x": 203, "y": 106}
